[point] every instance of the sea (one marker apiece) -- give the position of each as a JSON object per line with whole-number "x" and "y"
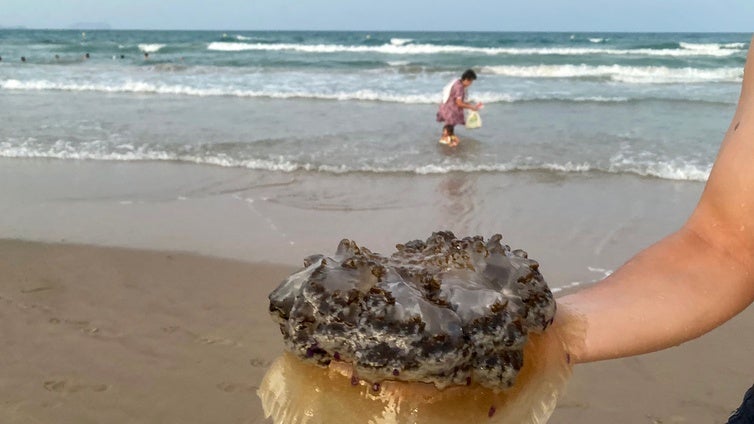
{"x": 655, "y": 105}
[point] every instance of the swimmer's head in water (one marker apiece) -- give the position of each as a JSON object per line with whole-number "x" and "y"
{"x": 446, "y": 311}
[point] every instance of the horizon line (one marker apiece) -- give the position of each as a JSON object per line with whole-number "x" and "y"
{"x": 22, "y": 28}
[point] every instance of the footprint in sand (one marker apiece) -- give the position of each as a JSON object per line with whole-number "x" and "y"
{"x": 237, "y": 387}
{"x": 259, "y": 363}
{"x": 37, "y": 289}
{"x": 23, "y": 305}
{"x": 218, "y": 342}
{"x": 64, "y": 386}
{"x": 675, "y": 419}
{"x": 80, "y": 325}
{"x": 172, "y": 329}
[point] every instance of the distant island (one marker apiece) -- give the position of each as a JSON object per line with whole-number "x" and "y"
{"x": 90, "y": 25}
{"x": 12, "y": 27}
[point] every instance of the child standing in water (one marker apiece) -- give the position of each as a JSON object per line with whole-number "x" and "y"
{"x": 453, "y": 104}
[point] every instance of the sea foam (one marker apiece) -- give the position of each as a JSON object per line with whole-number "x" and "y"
{"x": 356, "y": 95}
{"x": 151, "y": 48}
{"x": 417, "y": 49}
{"x": 675, "y": 169}
{"x": 621, "y": 73}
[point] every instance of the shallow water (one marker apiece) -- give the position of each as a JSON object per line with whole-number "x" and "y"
{"x": 336, "y": 102}
{"x": 275, "y": 145}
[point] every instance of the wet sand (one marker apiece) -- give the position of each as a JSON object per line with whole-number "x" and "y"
{"x": 172, "y": 325}
{"x": 578, "y": 226}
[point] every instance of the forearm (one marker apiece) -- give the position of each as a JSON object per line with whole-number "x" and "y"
{"x": 674, "y": 291}
{"x": 691, "y": 281}
{"x": 463, "y": 105}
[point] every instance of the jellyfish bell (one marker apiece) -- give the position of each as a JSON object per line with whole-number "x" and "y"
{"x": 445, "y": 330}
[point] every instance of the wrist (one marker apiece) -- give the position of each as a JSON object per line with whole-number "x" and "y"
{"x": 570, "y": 328}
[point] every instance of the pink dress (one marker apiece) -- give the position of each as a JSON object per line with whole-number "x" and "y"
{"x": 449, "y": 112}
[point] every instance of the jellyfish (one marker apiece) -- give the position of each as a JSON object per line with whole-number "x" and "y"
{"x": 442, "y": 331}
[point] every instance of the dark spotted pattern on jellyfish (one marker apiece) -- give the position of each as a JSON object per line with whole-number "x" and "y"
{"x": 446, "y": 311}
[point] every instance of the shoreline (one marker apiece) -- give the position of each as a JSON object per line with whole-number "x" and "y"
{"x": 579, "y": 227}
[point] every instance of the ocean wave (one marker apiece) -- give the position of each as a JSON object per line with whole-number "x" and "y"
{"x": 712, "y": 46}
{"x": 418, "y": 49}
{"x": 666, "y": 170}
{"x": 598, "y": 40}
{"x": 150, "y": 88}
{"x": 673, "y": 169}
{"x": 151, "y": 48}
{"x": 619, "y": 73}
{"x": 400, "y": 41}
{"x": 239, "y": 37}
{"x": 96, "y": 150}
{"x": 141, "y": 87}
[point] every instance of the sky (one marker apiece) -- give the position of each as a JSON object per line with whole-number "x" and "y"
{"x": 388, "y": 15}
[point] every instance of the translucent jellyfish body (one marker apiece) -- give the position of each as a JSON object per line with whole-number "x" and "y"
{"x": 441, "y": 331}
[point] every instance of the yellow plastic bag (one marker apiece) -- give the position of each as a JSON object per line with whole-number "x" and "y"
{"x": 473, "y": 120}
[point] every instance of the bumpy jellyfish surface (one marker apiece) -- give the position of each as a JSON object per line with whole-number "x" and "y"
{"x": 445, "y": 330}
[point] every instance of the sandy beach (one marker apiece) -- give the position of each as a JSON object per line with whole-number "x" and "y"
{"x": 137, "y": 292}
{"x": 97, "y": 334}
